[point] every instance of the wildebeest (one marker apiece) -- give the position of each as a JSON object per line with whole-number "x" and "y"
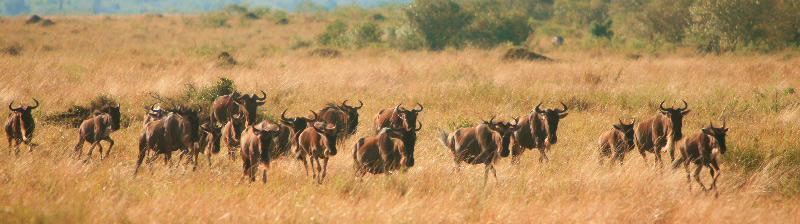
{"x": 397, "y": 117}
{"x": 343, "y": 116}
{"x": 256, "y": 144}
{"x": 317, "y": 142}
{"x": 153, "y": 114}
{"x": 177, "y": 131}
{"x": 20, "y": 125}
{"x": 391, "y": 149}
{"x": 480, "y": 144}
{"x": 661, "y": 131}
{"x": 616, "y": 141}
{"x": 224, "y": 107}
{"x": 295, "y": 126}
{"x": 98, "y": 128}
{"x": 210, "y": 135}
{"x": 537, "y": 130}
{"x": 703, "y": 149}
{"x": 557, "y": 41}
{"x": 231, "y": 134}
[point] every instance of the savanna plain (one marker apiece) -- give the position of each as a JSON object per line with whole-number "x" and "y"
{"x": 131, "y": 58}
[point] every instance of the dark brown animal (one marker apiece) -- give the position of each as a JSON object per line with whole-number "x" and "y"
{"x": 616, "y": 141}
{"x": 20, "y": 125}
{"x": 248, "y": 106}
{"x": 177, "y": 131}
{"x": 537, "y": 130}
{"x": 98, "y": 128}
{"x": 703, "y": 149}
{"x": 391, "y": 149}
{"x": 661, "y": 131}
{"x": 345, "y": 118}
{"x": 224, "y": 108}
{"x": 397, "y": 117}
{"x": 315, "y": 143}
{"x": 153, "y": 114}
{"x": 210, "y": 135}
{"x": 480, "y": 144}
{"x": 231, "y": 134}
{"x": 294, "y": 125}
{"x": 256, "y": 144}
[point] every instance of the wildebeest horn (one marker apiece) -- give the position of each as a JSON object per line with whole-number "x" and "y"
{"x": 516, "y": 121}
{"x": 315, "y": 116}
{"x": 237, "y": 116}
{"x": 491, "y": 119}
{"x": 260, "y": 98}
{"x": 199, "y": 109}
{"x": 35, "y": 106}
{"x": 420, "y": 108}
{"x": 537, "y": 108}
{"x": 12, "y": 109}
{"x": 283, "y": 115}
{"x": 360, "y": 104}
{"x": 320, "y": 130}
{"x": 662, "y": 106}
{"x": 419, "y": 126}
{"x": 344, "y": 103}
{"x": 397, "y": 108}
{"x": 561, "y": 111}
{"x": 685, "y": 105}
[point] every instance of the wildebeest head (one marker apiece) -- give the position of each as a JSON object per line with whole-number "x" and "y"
{"x": 352, "y": 115}
{"x": 24, "y": 111}
{"x": 676, "y": 118}
{"x": 627, "y": 131}
{"x": 409, "y": 117}
{"x": 215, "y": 133}
{"x": 297, "y": 124}
{"x": 329, "y": 133}
{"x": 192, "y": 116}
{"x": 505, "y": 129}
{"x": 112, "y": 111}
{"x": 718, "y": 134}
{"x": 248, "y": 105}
{"x": 551, "y": 118}
{"x": 409, "y": 138}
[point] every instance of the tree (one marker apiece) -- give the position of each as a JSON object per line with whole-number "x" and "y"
{"x": 438, "y": 21}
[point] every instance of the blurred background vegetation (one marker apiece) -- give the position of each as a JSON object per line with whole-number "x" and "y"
{"x": 633, "y": 26}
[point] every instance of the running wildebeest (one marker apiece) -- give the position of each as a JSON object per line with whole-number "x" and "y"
{"x": 177, "y": 131}
{"x": 224, "y": 107}
{"x": 344, "y": 117}
{"x": 391, "y": 149}
{"x": 98, "y": 128}
{"x": 294, "y": 125}
{"x": 153, "y": 114}
{"x": 20, "y": 125}
{"x": 317, "y": 142}
{"x": 256, "y": 144}
{"x": 397, "y": 117}
{"x": 480, "y": 144}
{"x": 616, "y": 141}
{"x": 537, "y": 130}
{"x": 232, "y": 133}
{"x": 210, "y": 135}
{"x": 703, "y": 149}
{"x": 661, "y": 131}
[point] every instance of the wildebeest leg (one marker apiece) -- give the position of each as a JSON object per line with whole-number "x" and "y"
{"x": 91, "y": 148}
{"x": 543, "y": 156}
{"x": 658, "y": 163}
{"x": 319, "y": 170}
{"x": 697, "y": 177}
{"x": 245, "y": 166}
{"x": 324, "y": 168}
{"x": 713, "y": 167}
{"x": 110, "y": 144}
{"x": 139, "y": 159}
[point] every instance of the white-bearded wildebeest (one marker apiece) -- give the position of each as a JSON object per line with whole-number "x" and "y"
{"x": 177, "y": 131}
{"x": 480, "y": 144}
{"x": 317, "y": 142}
{"x": 98, "y": 128}
{"x": 344, "y": 117}
{"x": 391, "y": 149}
{"x": 616, "y": 141}
{"x": 20, "y": 125}
{"x": 537, "y": 130}
{"x": 295, "y": 125}
{"x": 224, "y": 107}
{"x": 703, "y": 149}
{"x": 232, "y": 133}
{"x": 153, "y": 114}
{"x": 661, "y": 131}
{"x": 256, "y": 144}
{"x": 210, "y": 135}
{"x": 397, "y": 117}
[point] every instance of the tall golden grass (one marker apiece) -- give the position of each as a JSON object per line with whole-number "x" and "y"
{"x": 127, "y": 57}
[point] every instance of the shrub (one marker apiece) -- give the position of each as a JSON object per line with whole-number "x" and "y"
{"x": 601, "y": 29}
{"x": 731, "y": 23}
{"x": 438, "y": 21}
{"x": 365, "y": 33}
{"x": 404, "y": 38}
{"x": 491, "y": 29}
{"x": 333, "y": 34}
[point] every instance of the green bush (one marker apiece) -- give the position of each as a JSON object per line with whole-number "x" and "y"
{"x": 489, "y": 30}
{"x": 731, "y": 23}
{"x": 404, "y": 38}
{"x": 334, "y": 34}
{"x": 365, "y": 33}
{"x": 601, "y": 29}
{"x": 438, "y": 22}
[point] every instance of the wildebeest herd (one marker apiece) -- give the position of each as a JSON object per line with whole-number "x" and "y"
{"x": 314, "y": 139}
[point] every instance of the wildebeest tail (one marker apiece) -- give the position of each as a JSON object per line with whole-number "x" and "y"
{"x": 442, "y": 137}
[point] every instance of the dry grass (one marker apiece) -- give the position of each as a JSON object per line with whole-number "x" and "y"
{"x": 128, "y": 56}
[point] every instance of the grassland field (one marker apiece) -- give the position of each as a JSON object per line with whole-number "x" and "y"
{"x": 127, "y": 57}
